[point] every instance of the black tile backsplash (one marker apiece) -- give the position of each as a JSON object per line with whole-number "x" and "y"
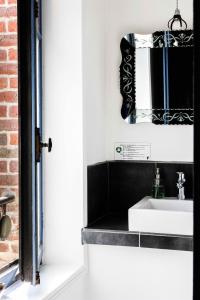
{"x": 98, "y": 198}
{"x": 129, "y": 183}
{"x": 169, "y": 175}
{"x": 112, "y": 221}
{"x": 114, "y": 186}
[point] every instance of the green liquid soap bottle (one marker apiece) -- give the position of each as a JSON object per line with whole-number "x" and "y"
{"x": 158, "y": 190}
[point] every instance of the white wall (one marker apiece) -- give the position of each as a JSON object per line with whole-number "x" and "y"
{"x": 94, "y": 106}
{"x": 132, "y": 273}
{"x": 171, "y": 143}
{"x": 94, "y": 80}
{"x": 63, "y": 167}
{"x": 122, "y": 272}
{"x": 104, "y": 24}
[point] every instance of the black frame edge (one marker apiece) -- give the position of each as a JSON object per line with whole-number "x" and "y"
{"x": 25, "y": 78}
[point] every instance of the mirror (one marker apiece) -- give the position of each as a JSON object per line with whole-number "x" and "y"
{"x": 156, "y": 78}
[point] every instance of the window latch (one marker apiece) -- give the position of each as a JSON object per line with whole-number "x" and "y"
{"x": 39, "y": 145}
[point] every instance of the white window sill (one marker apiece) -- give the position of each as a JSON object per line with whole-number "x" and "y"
{"x": 53, "y": 279}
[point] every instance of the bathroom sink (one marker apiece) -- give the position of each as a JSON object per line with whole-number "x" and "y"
{"x": 167, "y": 215}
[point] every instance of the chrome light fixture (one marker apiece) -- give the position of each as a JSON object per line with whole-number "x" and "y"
{"x": 177, "y": 19}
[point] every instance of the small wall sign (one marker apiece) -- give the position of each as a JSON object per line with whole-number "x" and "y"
{"x": 132, "y": 151}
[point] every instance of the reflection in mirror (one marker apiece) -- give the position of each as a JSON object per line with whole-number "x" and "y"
{"x": 156, "y": 77}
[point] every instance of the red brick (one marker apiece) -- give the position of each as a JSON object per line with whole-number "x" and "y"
{"x": 12, "y": 26}
{"x": 8, "y": 180}
{"x": 15, "y": 247}
{"x": 17, "y": 225}
{"x": 3, "y": 83}
{"x": 8, "y": 66}
{"x": 3, "y": 55}
{"x": 13, "y": 111}
{"x": 8, "y": 153}
{"x": 8, "y": 69}
{"x": 3, "y": 166}
{"x": 13, "y": 139}
{"x": 3, "y": 111}
{"x": 9, "y": 96}
{"x": 3, "y": 191}
{"x": 15, "y": 191}
{"x": 11, "y": 206}
{"x": 11, "y": 11}
{"x": 12, "y": 54}
{"x": 8, "y": 40}
{"x": 3, "y": 12}
{"x": 13, "y": 166}
{"x": 14, "y": 236}
{"x": 14, "y": 82}
{"x": 15, "y": 218}
{"x": 2, "y": 26}
{"x": 3, "y": 139}
{"x": 4, "y": 247}
{"x": 10, "y": 125}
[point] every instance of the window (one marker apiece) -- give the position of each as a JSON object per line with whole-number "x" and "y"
{"x": 9, "y": 164}
{"x": 30, "y": 95}
{"x": 21, "y": 91}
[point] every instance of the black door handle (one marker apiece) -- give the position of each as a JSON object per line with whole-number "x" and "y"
{"x": 39, "y": 145}
{"x": 47, "y": 145}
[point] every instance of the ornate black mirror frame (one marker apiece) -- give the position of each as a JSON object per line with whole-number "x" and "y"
{"x": 159, "y": 39}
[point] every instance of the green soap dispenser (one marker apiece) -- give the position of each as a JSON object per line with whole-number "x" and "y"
{"x": 158, "y": 190}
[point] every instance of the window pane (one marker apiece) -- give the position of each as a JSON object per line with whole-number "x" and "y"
{"x": 9, "y": 246}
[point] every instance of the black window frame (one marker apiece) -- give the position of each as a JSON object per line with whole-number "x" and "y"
{"x": 26, "y": 90}
{"x": 26, "y": 267}
{"x": 30, "y": 94}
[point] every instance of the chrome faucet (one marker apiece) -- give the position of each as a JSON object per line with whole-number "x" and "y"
{"x": 181, "y": 180}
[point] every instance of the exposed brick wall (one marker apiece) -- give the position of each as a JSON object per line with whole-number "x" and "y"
{"x": 9, "y": 116}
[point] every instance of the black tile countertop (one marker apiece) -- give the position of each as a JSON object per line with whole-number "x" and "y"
{"x": 111, "y": 221}
{"x": 112, "y": 237}
{"x": 137, "y": 239}
{"x": 112, "y": 229}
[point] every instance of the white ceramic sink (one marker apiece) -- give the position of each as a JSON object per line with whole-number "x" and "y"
{"x": 168, "y": 215}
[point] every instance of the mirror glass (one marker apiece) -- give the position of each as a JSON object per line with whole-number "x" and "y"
{"x": 156, "y": 78}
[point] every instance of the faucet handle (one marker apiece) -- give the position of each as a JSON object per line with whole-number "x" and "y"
{"x": 181, "y": 176}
